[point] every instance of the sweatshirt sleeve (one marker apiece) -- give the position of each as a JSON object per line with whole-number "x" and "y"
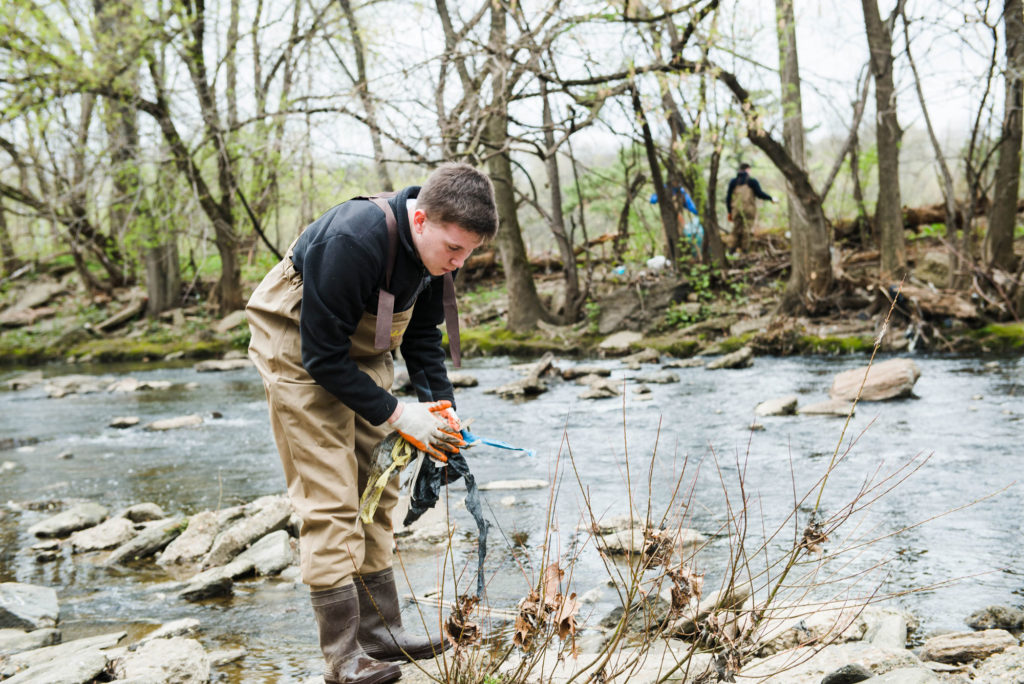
{"x": 758, "y": 192}
{"x": 421, "y": 345}
{"x": 728, "y": 195}
{"x": 339, "y": 278}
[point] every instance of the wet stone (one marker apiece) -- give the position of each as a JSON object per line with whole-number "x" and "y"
{"x": 76, "y": 518}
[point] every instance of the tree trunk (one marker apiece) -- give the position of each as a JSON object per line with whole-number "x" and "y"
{"x": 564, "y": 240}
{"x": 714, "y": 250}
{"x": 524, "y": 307}
{"x": 9, "y": 263}
{"x": 888, "y": 134}
{"x": 163, "y": 277}
{"x": 1003, "y": 214}
{"x": 669, "y": 219}
{"x": 363, "y": 90}
{"x": 809, "y": 241}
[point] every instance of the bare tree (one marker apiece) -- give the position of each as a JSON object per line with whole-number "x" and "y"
{"x": 1002, "y": 217}
{"x": 888, "y": 215}
{"x": 810, "y": 240}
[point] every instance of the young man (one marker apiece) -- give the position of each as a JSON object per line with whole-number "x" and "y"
{"x": 744, "y": 215}
{"x": 364, "y": 279}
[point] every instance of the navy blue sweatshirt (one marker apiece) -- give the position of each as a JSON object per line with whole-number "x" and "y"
{"x": 743, "y": 178}
{"x": 342, "y": 258}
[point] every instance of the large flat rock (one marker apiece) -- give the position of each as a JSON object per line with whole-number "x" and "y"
{"x": 78, "y": 517}
{"x": 892, "y": 379}
{"x": 28, "y": 606}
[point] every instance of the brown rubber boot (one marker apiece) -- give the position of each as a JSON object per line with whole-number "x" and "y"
{"x": 380, "y": 622}
{"x": 337, "y": 616}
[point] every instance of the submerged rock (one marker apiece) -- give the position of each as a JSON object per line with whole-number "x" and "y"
{"x": 122, "y": 422}
{"x": 783, "y": 406}
{"x": 743, "y": 358}
{"x": 190, "y": 420}
{"x": 76, "y": 518}
{"x": 997, "y": 617}
{"x": 218, "y": 365}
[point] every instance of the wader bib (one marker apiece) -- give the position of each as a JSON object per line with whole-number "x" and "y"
{"x": 744, "y": 215}
{"x": 325, "y": 447}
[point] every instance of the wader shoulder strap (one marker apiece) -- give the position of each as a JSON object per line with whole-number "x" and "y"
{"x": 386, "y": 300}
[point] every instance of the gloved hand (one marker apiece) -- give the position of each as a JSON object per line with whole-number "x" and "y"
{"x": 420, "y": 425}
{"x": 444, "y": 410}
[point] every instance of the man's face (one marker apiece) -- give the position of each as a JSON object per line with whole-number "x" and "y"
{"x": 443, "y": 247}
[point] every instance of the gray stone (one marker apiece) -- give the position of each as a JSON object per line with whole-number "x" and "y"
{"x": 219, "y": 365}
{"x": 632, "y": 540}
{"x": 997, "y": 617}
{"x": 28, "y": 606}
{"x": 583, "y": 370}
{"x": 270, "y": 555}
{"x": 620, "y": 342}
{"x": 892, "y": 379}
{"x": 190, "y": 420}
{"x": 749, "y": 325}
{"x": 783, "y": 406}
{"x": 809, "y": 664}
{"x": 271, "y": 514}
{"x": 178, "y": 660}
{"x": 684, "y": 363}
{"x": 1007, "y": 666}
{"x": 155, "y": 537}
{"x": 64, "y": 385}
{"x": 887, "y": 629}
{"x": 182, "y": 627}
{"x": 848, "y": 674}
{"x": 462, "y": 380}
{"x": 81, "y": 667}
{"x": 24, "y": 380}
{"x": 17, "y": 640}
{"x": 963, "y": 647}
{"x": 743, "y": 358}
{"x": 831, "y": 407}
{"x": 129, "y": 385}
{"x": 659, "y": 378}
{"x": 106, "y": 535}
{"x": 212, "y": 583}
{"x": 122, "y": 422}
{"x": 194, "y": 542}
{"x": 144, "y": 512}
{"x": 228, "y": 655}
{"x": 647, "y": 355}
{"x": 57, "y": 653}
{"x": 77, "y": 517}
{"x": 907, "y": 675}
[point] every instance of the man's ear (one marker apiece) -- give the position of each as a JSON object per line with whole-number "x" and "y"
{"x": 418, "y": 217}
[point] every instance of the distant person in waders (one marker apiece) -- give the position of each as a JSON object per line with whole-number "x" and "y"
{"x": 372, "y": 275}
{"x": 741, "y": 203}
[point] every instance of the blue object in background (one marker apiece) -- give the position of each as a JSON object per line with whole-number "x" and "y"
{"x": 687, "y": 200}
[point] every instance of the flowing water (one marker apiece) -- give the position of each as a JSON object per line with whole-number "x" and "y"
{"x": 689, "y": 443}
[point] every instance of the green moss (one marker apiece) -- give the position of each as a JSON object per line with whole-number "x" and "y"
{"x": 121, "y": 349}
{"x": 731, "y": 344}
{"x": 1000, "y": 336}
{"x": 834, "y": 345}
{"x": 682, "y": 347}
{"x": 498, "y": 340}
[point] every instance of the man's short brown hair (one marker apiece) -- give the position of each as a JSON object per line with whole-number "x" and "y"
{"x": 460, "y": 194}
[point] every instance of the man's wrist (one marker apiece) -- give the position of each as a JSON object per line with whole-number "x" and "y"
{"x": 395, "y": 415}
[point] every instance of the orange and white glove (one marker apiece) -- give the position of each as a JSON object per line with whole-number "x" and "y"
{"x": 422, "y": 425}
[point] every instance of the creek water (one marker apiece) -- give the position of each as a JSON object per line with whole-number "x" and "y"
{"x": 685, "y": 449}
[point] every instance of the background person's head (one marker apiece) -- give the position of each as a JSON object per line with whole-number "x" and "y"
{"x": 463, "y": 195}
{"x": 744, "y": 167}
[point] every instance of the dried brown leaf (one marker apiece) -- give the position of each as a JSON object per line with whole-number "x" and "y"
{"x": 552, "y": 583}
{"x": 565, "y": 618}
{"x": 458, "y": 628}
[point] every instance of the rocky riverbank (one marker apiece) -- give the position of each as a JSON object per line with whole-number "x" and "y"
{"x": 206, "y": 554}
{"x": 47, "y": 316}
